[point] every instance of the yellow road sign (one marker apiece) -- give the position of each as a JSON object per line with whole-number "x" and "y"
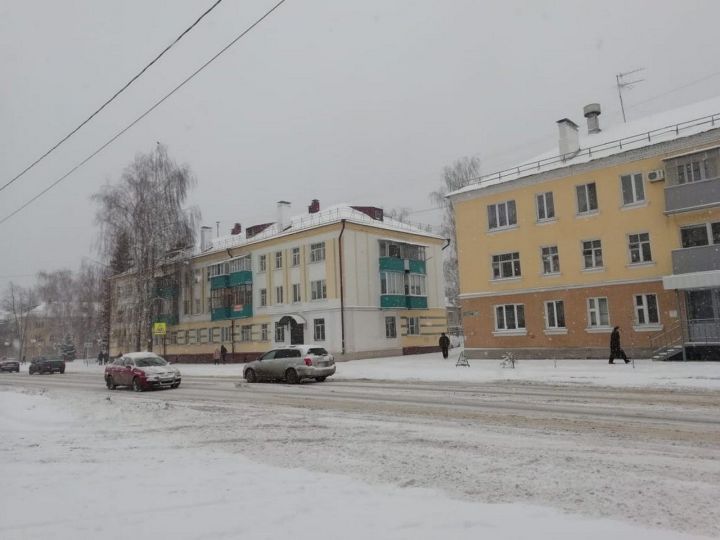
{"x": 159, "y": 328}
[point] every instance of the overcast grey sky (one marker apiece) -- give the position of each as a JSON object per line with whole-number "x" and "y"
{"x": 353, "y": 101}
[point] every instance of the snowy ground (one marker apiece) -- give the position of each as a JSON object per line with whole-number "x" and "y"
{"x": 431, "y": 367}
{"x": 79, "y": 463}
{"x": 102, "y": 466}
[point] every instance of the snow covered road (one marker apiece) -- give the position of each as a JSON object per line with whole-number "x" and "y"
{"x": 647, "y": 456}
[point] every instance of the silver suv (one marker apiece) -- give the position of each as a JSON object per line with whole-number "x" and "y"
{"x": 291, "y": 364}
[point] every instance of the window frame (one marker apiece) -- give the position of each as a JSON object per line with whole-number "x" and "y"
{"x": 319, "y": 329}
{"x": 552, "y": 258}
{"x": 644, "y": 309}
{"x": 278, "y": 260}
{"x": 318, "y": 289}
{"x": 279, "y": 333}
{"x": 413, "y": 326}
{"x": 593, "y": 252}
{"x": 391, "y": 330}
{"x": 544, "y": 197}
{"x": 297, "y": 298}
{"x": 587, "y": 199}
{"x": 496, "y": 266}
{"x": 279, "y": 294}
{"x": 296, "y": 256}
{"x": 596, "y": 310}
{"x": 633, "y": 179}
{"x": 494, "y": 214}
{"x": 397, "y": 281}
{"x": 638, "y": 246}
{"x": 556, "y": 315}
{"x": 502, "y": 323}
{"x": 262, "y": 263}
{"x": 317, "y": 252}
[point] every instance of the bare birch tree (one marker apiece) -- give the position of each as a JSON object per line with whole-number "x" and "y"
{"x": 19, "y": 302}
{"x": 147, "y": 205}
{"x": 454, "y": 177}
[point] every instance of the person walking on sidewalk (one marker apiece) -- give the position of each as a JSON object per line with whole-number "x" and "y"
{"x": 216, "y": 356}
{"x": 223, "y": 353}
{"x": 616, "y": 350}
{"x": 444, "y": 343}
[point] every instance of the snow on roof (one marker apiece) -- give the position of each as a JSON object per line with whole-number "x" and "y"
{"x": 661, "y": 127}
{"x": 332, "y": 214}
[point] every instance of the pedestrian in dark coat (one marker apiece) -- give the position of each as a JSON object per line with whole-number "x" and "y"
{"x": 100, "y": 358}
{"x": 616, "y": 350}
{"x": 223, "y": 353}
{"x": 444, "y": 343}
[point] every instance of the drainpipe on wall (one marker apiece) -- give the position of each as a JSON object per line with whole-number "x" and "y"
{"x": 342, "y": 295}
{"x": 448, "y": 240}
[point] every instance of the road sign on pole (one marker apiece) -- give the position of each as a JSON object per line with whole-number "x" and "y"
{"x": 159, "y": 328}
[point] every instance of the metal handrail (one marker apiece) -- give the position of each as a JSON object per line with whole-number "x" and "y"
{"x": 645, "y": 137}
{"x": 667, "y": 338}
{"x": 706, "y": 325}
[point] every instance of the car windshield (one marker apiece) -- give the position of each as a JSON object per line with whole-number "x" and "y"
{"x": 319, "y": 351}
{"x": 150, "y": 361}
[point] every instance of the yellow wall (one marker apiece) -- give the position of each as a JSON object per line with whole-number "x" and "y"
{"x": 611, "y": 224}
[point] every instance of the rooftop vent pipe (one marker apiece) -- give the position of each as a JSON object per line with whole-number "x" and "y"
{"x": 592, "y": 112}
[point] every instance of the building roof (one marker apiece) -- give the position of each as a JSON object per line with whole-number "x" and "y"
{"x": 657, "y": 128}
{"x": 302, "y": 222}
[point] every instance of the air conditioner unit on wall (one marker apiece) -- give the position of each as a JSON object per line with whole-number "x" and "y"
{"x": 656, "y": 176}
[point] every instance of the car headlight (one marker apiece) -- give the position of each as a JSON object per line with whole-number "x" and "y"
{"x": 151, "y": 377}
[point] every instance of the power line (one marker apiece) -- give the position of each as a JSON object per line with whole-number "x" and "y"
{"x": 691, "y": 83}
{"x": 143, "y": 115}
{"x": 139, "y": 74}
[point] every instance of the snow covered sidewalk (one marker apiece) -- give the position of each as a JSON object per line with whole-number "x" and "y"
{"x": 432, "y": 368}
{"x": 77, "y": 470}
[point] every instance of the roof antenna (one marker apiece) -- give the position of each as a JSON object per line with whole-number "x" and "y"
{"x": 622, "y": 83}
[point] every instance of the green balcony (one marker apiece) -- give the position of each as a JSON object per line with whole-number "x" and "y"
{"x": 167, "y": 319}
{"x": 219, "y": 282}
{"x": 417, "y": 267}
{"x": 240, "y": 278}
{"x": 392, "y": 301}
{"x": 221, "y": 313}
{"x": 392, "y": 264}
{"x": 417, "y": 302}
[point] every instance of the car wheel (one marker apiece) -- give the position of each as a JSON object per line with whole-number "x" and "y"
{"x": 62, "y": 371}
{"x": 110, "y": 383}
{"x": 17, "y": 370}
{"x": 136, "y": 385}
{"x": 320, "y": 379}
{"x": 250, "y": 375}
{"x": 291, "y": 376}
{"x": 176, "y": 385}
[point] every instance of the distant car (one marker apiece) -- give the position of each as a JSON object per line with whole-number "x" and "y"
{"x": 142, "y": 371}
{"x": 10, "y": 364}
{"x": 40, "y": 364}
{"x": 291, "y": 364}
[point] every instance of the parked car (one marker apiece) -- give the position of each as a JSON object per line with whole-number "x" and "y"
{"x": 10, "y": 364}
{"x": 40, "y": 364}
{"x": 141, "y": 371}
{"x": 291, "y": 364}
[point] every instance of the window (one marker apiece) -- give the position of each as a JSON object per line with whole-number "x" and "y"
{"x": 501, "y": 215}
{"x": 400, "y": 250}
{"x": 413, "y": 326}
{"x": 246, "y": 333}
{"x": 215, "y": 334}
{"x": 416, "y": 285}
{"x": 587, "y": 198}
{"x": 192, "y": 337}
{"x": 226, "y": 333}
{"x": 203, "y": 335}
{"x": 296, "y": 292}
{"x": 545, "y": 206}
{"x": 646, "y": 309}
{"x": 317, "y": 252}
{"x": 318, "y": 290}
{"x": 633, "y": 191}
{"x": 694, "y": 169}
{"x": 263, "y": 263}
{"x": 700, "y": 235}
{"x": 390, "y": 328}
{"x": 555, "y": 314}
{"x": 550, "y": 260}
{"x": 592, "y": 253}
{"x": 279, "y": 333}
{"x": 392, "y": 283}
{"x": 506, "y": 265}
{"x": 279, "y": 295}
{"x": 219, "y": 269}
{"x": 510, "y": 317}
{"x": 319, "y": 329}
{"x": 197, "y": 306}
{"x": 296, "y": 256}
{"x": 598, "y": 315}
{"x": 263, "y": 297}
{"x": 278, "y": 259}
{"x": 263, "y": 332}
{"x": 639, "y": 245}
{"x": 241, "y": 264}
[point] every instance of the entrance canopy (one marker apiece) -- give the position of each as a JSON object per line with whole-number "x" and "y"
{"x": 693, "y": 280}
{"x": 290, "y": 319}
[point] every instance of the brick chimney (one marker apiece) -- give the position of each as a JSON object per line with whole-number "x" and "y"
{"x": 237, "y": 229}
{"x": 314, "y": 207}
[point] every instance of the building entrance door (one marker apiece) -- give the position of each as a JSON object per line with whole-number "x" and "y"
{"x": 297, "y": 333}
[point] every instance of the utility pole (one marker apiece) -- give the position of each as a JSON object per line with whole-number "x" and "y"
{"x": 622, "y": 83}
{"x": 217, "y": 229}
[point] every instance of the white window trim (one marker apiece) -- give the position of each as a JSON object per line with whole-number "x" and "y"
{"x": 553, "y": 328}
{"x": 601, "y": 327}
{"x": 634, "y": 204}
{"x": 518, "y": 332}
{"x": 629, "y": 251}
{"x": 542, "y": 261}
{"x": 647, "y": 327}
{"x": 589, "y": 212}
{"x": 651, "y": 325}
{"x": 582, "y": 256}
{"x": 555, "y": 331}
{"x": 509, "y": 331}
{"x": 512, "y": 261}
{"x": 538, "y": 219}
{"x": 497, "y": 216}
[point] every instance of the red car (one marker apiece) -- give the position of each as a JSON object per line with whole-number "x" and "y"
{"x": 141, "y": 371}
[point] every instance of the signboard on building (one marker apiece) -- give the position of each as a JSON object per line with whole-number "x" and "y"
{"x": 159, "y": 328}
{"x": 238, "y": 307}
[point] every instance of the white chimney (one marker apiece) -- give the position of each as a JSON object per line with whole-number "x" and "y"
{"x": 592, "y": 112}
{"x": 569, "y": 139}
{"x": 205, "y": 236}
{"x": 283, "y": 210}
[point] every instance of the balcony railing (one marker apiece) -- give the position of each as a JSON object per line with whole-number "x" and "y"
{"x": 696, "y": 259}
{"x": 704, "y": 331}
{"x": 692, "y": 195}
